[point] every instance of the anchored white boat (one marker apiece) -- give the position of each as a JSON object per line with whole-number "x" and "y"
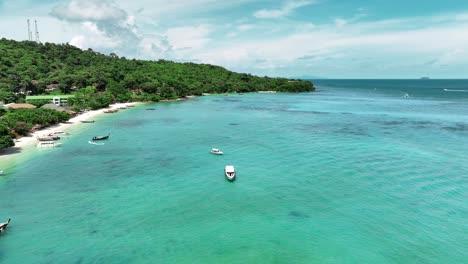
{"x": 216, "y": 151}
{"x": 48, "y": 144}
{"x": 59, "y": 133}
{"x": 230, "y": 172}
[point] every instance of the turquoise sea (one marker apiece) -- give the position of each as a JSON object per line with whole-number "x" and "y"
{"x": 362, "y": 171}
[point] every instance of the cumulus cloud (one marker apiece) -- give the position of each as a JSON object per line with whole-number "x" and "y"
{"x": 89, "y": 10}
{"x": 286, "y": 10}
{"x": 105, "y": 25}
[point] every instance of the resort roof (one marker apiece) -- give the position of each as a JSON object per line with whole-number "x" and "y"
{"x": 18, "y": 106}
{"x": 54, "y": 107}
{"x": 59, "y": 108}
{"x": 46, "y": 97}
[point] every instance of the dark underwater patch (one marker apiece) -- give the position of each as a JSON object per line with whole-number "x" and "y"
{"x": 233, "y": 124}
{"x": 394, "y": 123}
{"x": 298, "y": 214}
{"x": 352, "y": 130}
{"x": 130, "y": 123}
{"x": 459, "y": 127}
{"x": 231, "y": 100}
{"x": 390, "y": 123}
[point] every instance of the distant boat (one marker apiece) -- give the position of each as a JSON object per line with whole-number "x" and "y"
{"x": 150, "y": 108}
{"x": 1, "y": 172}
{"x": 87, "y": 121}
{"x": 59, "y": 133}
{"x": 216, "y": 151}
{"x": 47, "y": 138}
{"x": 230, "y": 172}
{"x": 48, "y": 144}
{"x": 101, "y": 137}
{"x": 454, "y": 90}
{"x": 3, "y": 226}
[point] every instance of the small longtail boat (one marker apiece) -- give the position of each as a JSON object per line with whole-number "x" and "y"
{"x": 101, "y": 137}
{"x": 3, "y": 226}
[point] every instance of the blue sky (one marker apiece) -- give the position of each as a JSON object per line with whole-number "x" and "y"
{"x": 328, "y": 38}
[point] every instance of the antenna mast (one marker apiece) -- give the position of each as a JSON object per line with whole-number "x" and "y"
{"x": 37, "y": 32}
{"x": 29, "y": 32}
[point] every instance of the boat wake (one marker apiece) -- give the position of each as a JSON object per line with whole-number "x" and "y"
{"x": 95, "y": 143}
{"x": 453, "y": 90}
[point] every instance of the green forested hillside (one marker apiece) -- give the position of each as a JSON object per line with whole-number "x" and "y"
{"x": 30, "y": 66}
{"x": 97, "y": 80}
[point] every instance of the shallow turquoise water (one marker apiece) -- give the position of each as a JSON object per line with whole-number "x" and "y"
{"x": 356, "y": 174}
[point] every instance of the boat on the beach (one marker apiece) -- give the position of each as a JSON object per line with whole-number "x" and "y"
{"x": 47, "y": 138}
{"x": 216, "y": 151}
{"x": 87, "y": 121}
{"x": 3, "y": 226}
{"x": 230, "y": 172}
{"x": 48, "y": 144}
{"x": 100, "y": 137}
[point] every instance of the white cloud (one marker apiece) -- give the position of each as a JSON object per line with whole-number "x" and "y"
{"x": 106, "y": 26}
{"x": 395, "y": 44}
{"x": 286, "y": 10}
{"x": 245, "y": 27}
{"x": 94, "y": 38}
{"x": 79, "y": 10}
{"x": 340, "y": 22}
{"x": 194, "y": 37}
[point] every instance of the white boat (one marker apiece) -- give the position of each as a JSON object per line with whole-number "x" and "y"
{"x": 230, "y": 172}
{"x": 59, "y": 133}
{"x": 48, "y": 144}
{"x": 216, "y": 151}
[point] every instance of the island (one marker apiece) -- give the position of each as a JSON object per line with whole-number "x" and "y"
{"x": 47, "y": 73}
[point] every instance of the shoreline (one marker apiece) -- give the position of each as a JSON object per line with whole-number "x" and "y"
{"x": 8, "y": 156}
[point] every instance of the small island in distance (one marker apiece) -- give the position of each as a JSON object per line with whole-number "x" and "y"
{"x": 424, "y": 78}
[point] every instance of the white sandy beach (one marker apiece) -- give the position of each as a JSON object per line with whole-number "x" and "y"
{"x": 10, "y": 154}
